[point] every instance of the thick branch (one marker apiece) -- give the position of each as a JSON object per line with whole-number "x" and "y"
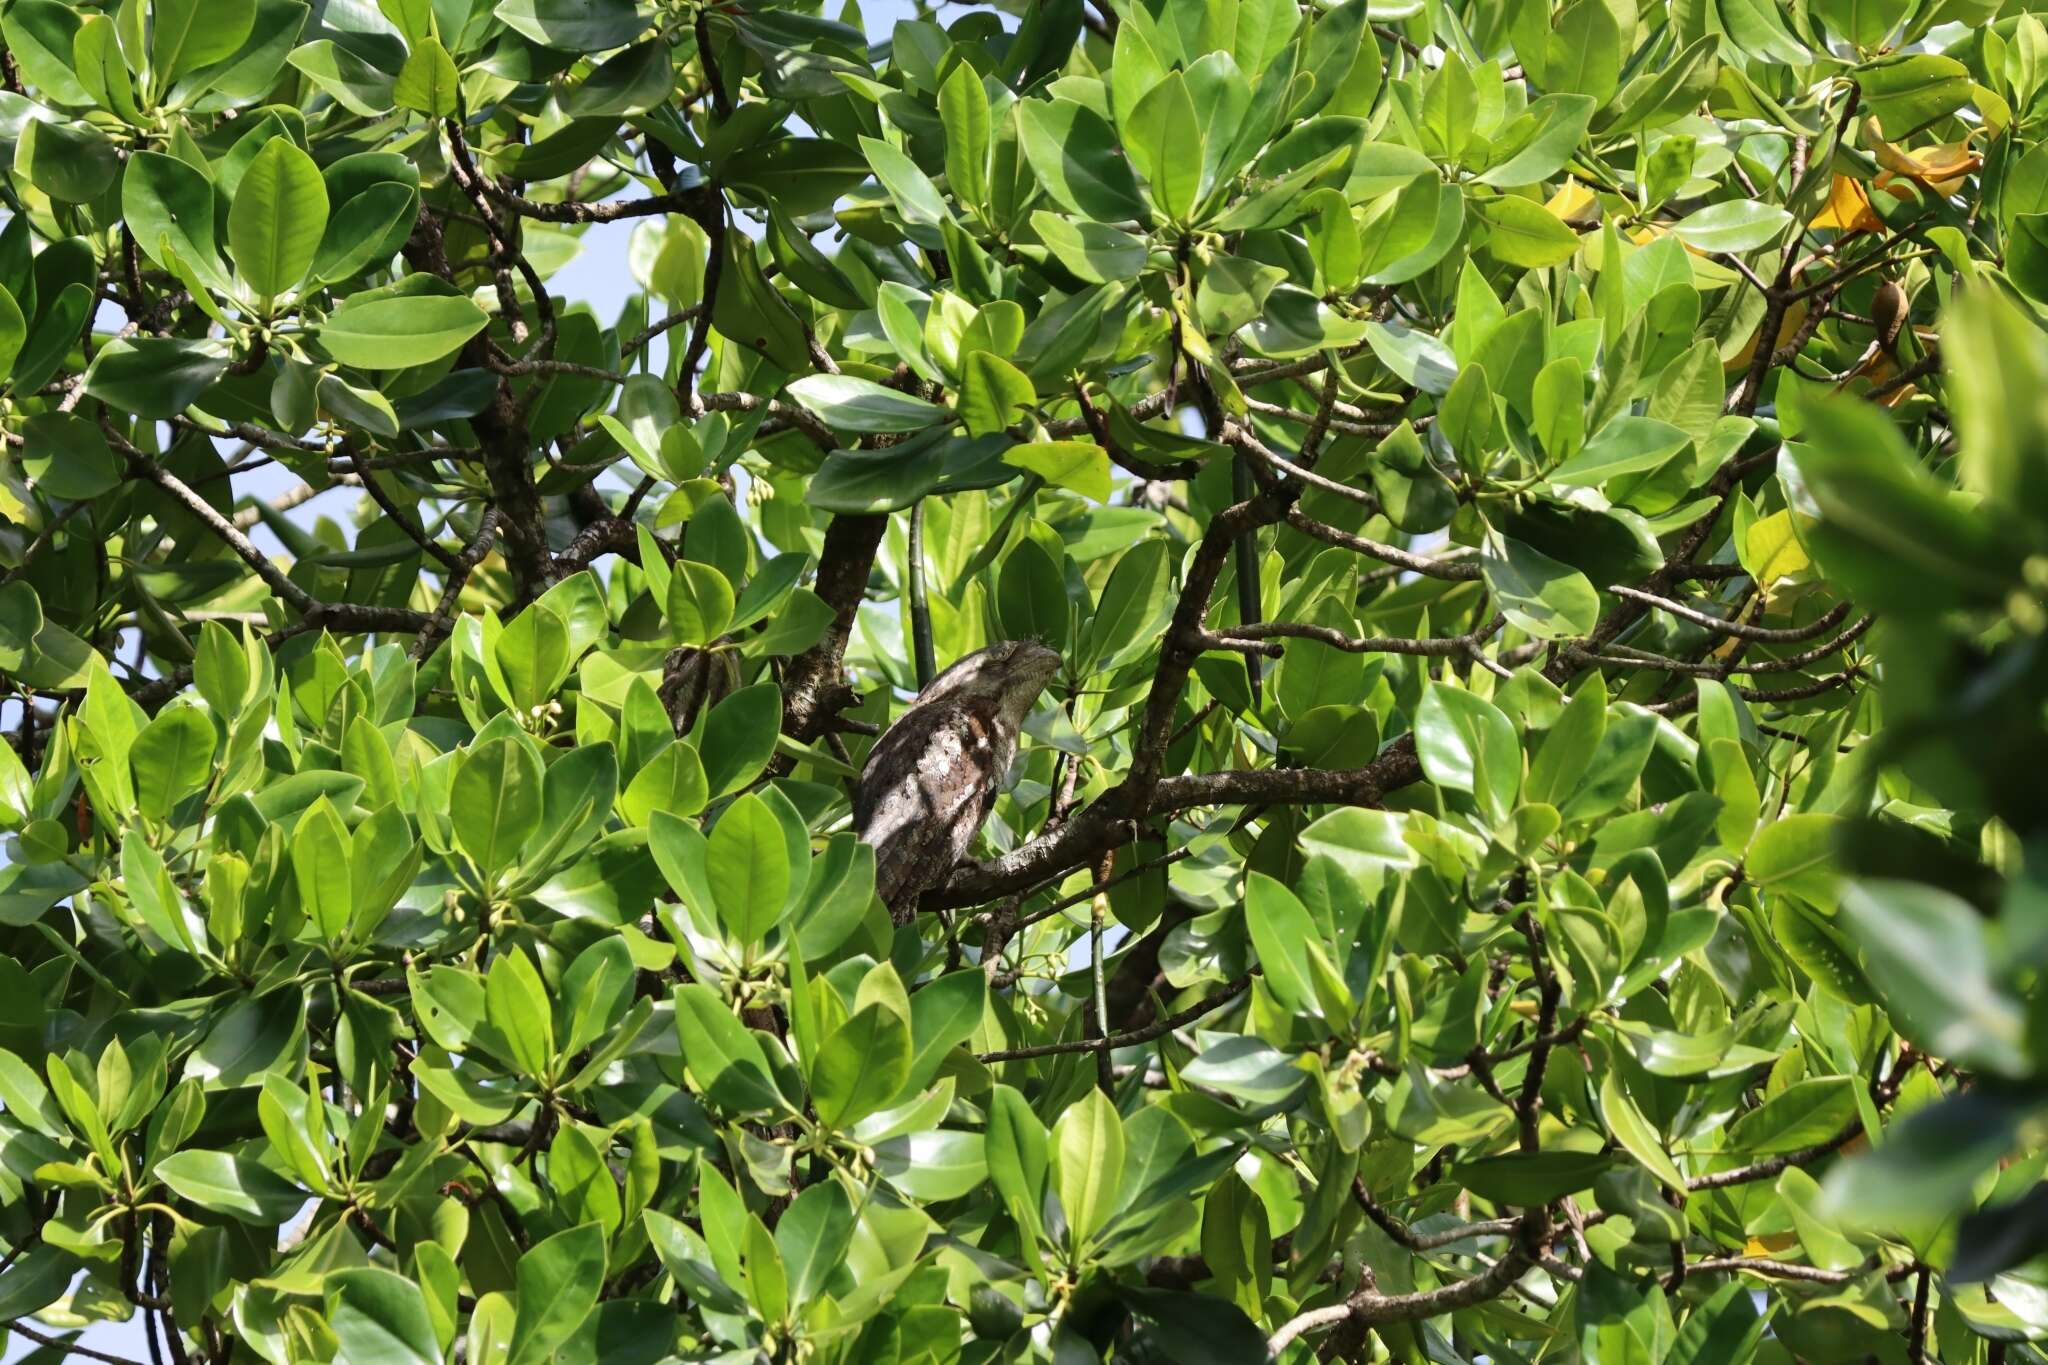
{"x": 1369, "y": 1307}
{"x": 1106, "y": 822}
{"x": 813, "y": 690}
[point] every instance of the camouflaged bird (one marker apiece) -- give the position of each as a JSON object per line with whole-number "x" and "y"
{"x": 931, "y": 779}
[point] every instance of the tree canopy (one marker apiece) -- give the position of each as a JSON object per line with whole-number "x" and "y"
{"x": 1533, "y": 850}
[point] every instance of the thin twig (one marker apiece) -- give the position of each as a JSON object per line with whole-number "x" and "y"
{"x": 1158, "y": 1028}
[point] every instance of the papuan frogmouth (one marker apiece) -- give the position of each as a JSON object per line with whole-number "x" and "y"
{"x": 931, "y": 779}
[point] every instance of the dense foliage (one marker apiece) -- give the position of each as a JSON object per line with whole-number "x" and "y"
{"x": 1533, "y": 851}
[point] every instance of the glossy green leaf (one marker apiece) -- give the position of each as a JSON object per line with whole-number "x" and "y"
{"x": 277, "y": 218}
{"x": 394, "y": 333}
{"x": 860, "y": 1067}
{"x": 558, "y": 1283}
{"x": 852, "y": 404}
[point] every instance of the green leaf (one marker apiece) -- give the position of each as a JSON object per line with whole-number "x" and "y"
{"x": 1757, "y": 28}
{"x": 584, "y": 1182}
{"x": 495, "y": 803}
{"x": 277, "y": 218}
{"x": 1927, "y": 1165}
{"x": 1419, "y": 358}
{"x": 1531, "y": 1179}
{"x": 700, "y": 603}
{"x": 516, "y": 1007}
{"x": 1031, "y": 597}
{"x": 1163, "y": 138}
{"x": 155, "y": 897}
{"x": 597, "y": 988}
{"x": 1626, "y": 445}
{"x": 964, "y": 110}
{"x": 1197, "y": 1328}
{"x": 1402, "y": 251}
{"x": 1819, "y": 949}
{"x": 73, "y": 163}
{"x": 934, "y": 1166}
{"x": 993, "y": 393}
{"x": 1795, "y": 853}
{"x": 67, "y": 456}
{"x": 376, "y": 1315}
{"x": 13, "y": 332}
{"x": 725, "y": 1059}
{"x": 320, "y": 863}
{"x": 221, "y": 1183}
{"x": 631, "y": 81}
{"x": 1733, "y": 227}
{"x": 1335, "y": 40}
{"x": 397, "y": 333}
{"x": 1724, "y": 1330}
{"x": 861, "y": 1067}
{"x": 1928, "y": 957}
{"x": 802, "y": 622}
{"x": 558, "y": 1284}
{"x": 1581, "y": 51}
{"x": 1889, "y": 531}
{"x": 168, "y": 204}
{"x": 673, "y": 781}
{"x": 1547, "y": 599}
{"x": 1466, "y": 744}
{"x": 747, "y": 309}
{"x": 1088, "y": 1164}
{"x": 684, "y": 1255}
{"x": 1907, "y": 92}
{"x": 1526, "y": 234}
{"x": 1537, "y": 145}
{"x": 1634, "y": 1132}
{"x": 352, "y": 81}
{"x": 39, "y": 36}
{"x": 1333, "y": 235}
{"x": 1617, "y": 763}
{"x": 1801, "y": 1115}
{"x": 1095, "y": 252}
{"x": 155, "y": 376}
{"x": 171, "y": 759}
{"x": 739, "y": 737}
{"x": 533, "y": 657}
{"x": 1134, "y": 604}
{"x": 185, "y": 35}
{"x": 915, "y": 196}
{"x": 813, "y": 1234}
{"x": 748, "y": 869}
{"x": 1081, "y": 466}
{"x": 854, "y": 404}
{"x": 1567, "y": 750}
{"x": 429, "y": 81}
{"x": 943, "y": 1014}
{"x": 1016, "y": 1152}
{"x": 1281, "y": 930}
{"x": 1073, "y": 151}
{"x": 575, "y": 25}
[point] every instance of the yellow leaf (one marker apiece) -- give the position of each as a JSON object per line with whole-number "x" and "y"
{"x": 1081, "y": 466}
{"x": 1772, "y": 552}
{"x": 1848, "y": 209}
{"x": 1575, "y": 204}
{"x": 1941, "y": 168}
{"x": 1880, "y": 367}
{"x": 1795, "y": 315}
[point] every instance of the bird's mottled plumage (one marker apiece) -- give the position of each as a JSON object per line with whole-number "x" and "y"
{"x": 931, "y": 779}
